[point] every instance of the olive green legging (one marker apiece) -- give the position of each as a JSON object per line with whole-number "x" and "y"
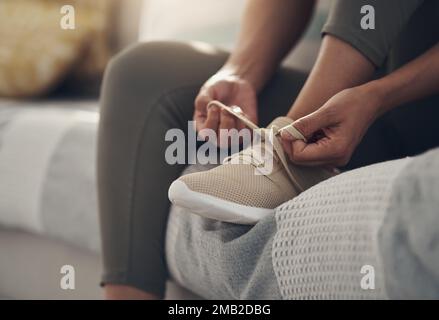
{"x": 147, "y": 90}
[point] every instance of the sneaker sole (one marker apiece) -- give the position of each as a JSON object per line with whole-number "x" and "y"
{"x": 215, "y": 208}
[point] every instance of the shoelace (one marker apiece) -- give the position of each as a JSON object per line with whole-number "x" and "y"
{"x": 278, "y": 152}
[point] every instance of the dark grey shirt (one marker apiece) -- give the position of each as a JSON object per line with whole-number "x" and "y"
{"x": 404, "y": 29}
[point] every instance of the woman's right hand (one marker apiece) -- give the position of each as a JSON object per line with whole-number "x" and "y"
{"x": 231, "y": 90}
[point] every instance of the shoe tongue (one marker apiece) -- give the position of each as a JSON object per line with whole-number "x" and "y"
{"x": 280, "y": 122}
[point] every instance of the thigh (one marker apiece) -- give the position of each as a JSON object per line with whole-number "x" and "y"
{"x": 142, "y": 75}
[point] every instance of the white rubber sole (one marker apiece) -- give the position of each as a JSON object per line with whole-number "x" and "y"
{"x": 215, "y": 208}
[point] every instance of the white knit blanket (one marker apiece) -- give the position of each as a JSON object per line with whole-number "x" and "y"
{"x": 327, "y": 235}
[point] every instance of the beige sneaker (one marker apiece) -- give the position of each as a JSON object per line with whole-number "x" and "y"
{"x": 243, "y": 193}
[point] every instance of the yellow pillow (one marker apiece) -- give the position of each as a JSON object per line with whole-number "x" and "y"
{"x": 36, "y": 54}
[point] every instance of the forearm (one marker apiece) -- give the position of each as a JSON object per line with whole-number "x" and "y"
{"x": 339, "y": 66}
{"x": 417, "y": 79}
{"x": 269, "y": 30}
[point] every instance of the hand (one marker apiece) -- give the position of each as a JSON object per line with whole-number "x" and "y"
{"x": 334, "y": 131}
{"x": 230, "y": 90}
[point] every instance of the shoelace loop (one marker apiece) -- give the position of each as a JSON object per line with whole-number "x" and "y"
{"x": 236, "y": 111}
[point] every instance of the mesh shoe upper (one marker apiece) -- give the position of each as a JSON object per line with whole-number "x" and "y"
{"x": 238, "y": 183}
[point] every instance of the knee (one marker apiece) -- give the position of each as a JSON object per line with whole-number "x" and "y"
{"x": 135, "y": 65}
{"x": 157, "y": 66}
{"x": 130, "y": 80}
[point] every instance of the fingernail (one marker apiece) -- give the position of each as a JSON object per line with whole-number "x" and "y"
{"x": 214, "y": 108}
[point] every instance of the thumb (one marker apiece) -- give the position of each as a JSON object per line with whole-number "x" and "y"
{"x": 310, "y": 124}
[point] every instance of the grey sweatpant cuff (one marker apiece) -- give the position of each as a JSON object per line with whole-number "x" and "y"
{"x": 157, "y": 288}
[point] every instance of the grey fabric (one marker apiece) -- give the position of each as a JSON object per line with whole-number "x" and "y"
{"x": 409, "y": 237}
{"x": 220, "y": 260}
{"x": 69, "y": 210}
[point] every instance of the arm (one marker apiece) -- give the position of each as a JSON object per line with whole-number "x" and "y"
{"x": 417, "y": 79}
{"x": 347, "y": 59}
{"x": 338, "y": 66}
{"x": 269, "y": 30}
{"x": 349, "y": 55}
{"x": 345, "y": 118}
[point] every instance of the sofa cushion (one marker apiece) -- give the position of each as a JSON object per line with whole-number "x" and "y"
{"x": 36, "y": 54}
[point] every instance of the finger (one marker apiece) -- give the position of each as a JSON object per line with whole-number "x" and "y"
{"x": 199, "y": 120}
{"x": 227, "y": 122}
{"x": 286, "y": 136}
{"x": 213, "y": 118}
{"x": 287, "y": 148}
{"x": 203, "y": 98}
{"x": 212, "y": 121}
{"x": 290, "y": 134}
{"x": 201, "y": 102}
{"x": 318, "y": 153}
{"x": 239, "y": 124}
{"x": 312, "y": 123}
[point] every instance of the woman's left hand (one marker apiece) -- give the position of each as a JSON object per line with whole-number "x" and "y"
{"x": 334, "y": 131}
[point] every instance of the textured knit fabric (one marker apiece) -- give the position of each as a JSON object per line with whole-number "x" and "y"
{"x": 327, "y": 234}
